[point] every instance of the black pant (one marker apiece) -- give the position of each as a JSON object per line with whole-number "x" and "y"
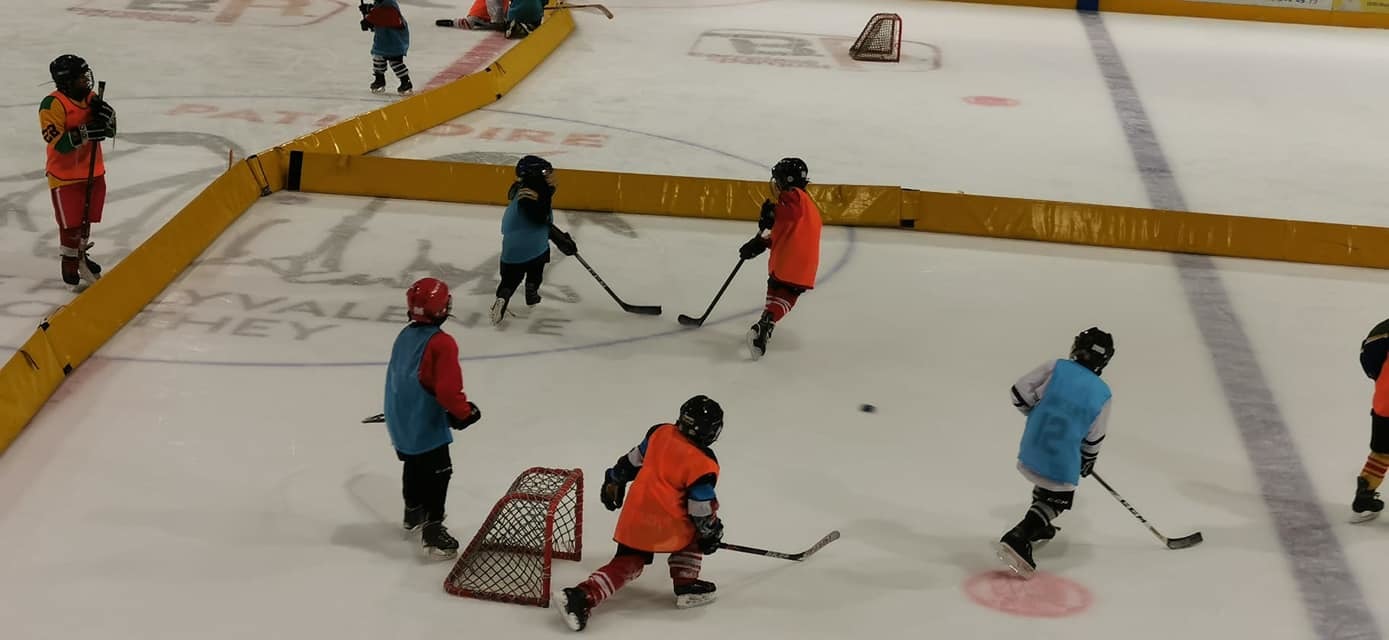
{"x": 425, "y": 481}
{"x": 532, "y": 271}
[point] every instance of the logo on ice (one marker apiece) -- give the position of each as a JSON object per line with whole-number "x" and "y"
{"x": 263, "y": 13}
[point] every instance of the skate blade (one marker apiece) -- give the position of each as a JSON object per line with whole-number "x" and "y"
{"x": 435, "y": 553}
{"x": 1014, "y": 561}
{"x": 1362, "y": 518}
{"x": 692, "y": 600}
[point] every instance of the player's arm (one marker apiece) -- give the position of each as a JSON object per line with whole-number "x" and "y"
{"x": 1090, "y": 446}
{"x": 703, "y": 506}
{"x": 1029, "y": 389}
{"x": 53, "y": 124}
{"x": 625, "y": 470}
{"x": 441, "y": 376}
{"x": 528, "y": 203}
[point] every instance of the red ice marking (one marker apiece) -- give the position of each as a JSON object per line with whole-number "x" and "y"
{"x": 992, "y": 101}
{"x": 481, "y": 55}
{"x": 1043, "y": 596}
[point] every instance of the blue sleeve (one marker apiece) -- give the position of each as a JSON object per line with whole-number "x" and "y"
{"x": 700, "y": 498}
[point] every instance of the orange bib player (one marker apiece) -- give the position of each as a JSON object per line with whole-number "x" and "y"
{"x": 74, "y": 121}
{"x": 1373, "y": 351}
{"x": 791, "y": 229}
{"x": 671, "y": 508}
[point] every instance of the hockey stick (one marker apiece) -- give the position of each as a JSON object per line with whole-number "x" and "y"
{"x": 1172, "y": 543}
{"x": 796, "y": 557}
{"x": 380, "y": 417}
{"x": 640, "y": 309}
{"x": 82, "y": 267}
{"x": 695, "y": 322}
{"x": 599, "y": 7}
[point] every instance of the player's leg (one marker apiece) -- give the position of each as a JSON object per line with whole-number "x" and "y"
{"x": 690, "y": 591}
{"x": 511, "y": 276}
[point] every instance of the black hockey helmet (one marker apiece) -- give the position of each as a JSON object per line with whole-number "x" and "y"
{"x": 67, "y": 70}
{"x": 790, "y": 172}
{"x": 533, "y": 167}
{"x": 701, "y": 420}
{"x": 1092, "y": 349}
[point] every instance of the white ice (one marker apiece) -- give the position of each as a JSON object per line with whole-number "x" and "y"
{"x": 206, "y": 474}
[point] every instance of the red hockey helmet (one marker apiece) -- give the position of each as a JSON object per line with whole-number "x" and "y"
{"x": 429, "y": 300}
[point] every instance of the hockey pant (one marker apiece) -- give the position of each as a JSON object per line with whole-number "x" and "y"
{"x": 532, "y": 271}
{"x": 425, "y": 481}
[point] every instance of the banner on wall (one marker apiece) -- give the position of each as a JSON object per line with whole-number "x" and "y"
{"x": 1320, "y": 5}
{"x": 1363, "y": 6}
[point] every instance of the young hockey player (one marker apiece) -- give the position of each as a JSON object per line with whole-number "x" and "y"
{"x": 670, "y": 509}
{"x": 1067, "y": 408}
{"x": 484, "y": 15}
{"x": 523, "y": 17}
{"x": 1367, "y": 505}
{"x": 74, "y": 121}
{"x": 528, "y": 228}
{"x": 424, "y": 399}
{"x": 389, "y": 44}
{"x": 791, "y": 228}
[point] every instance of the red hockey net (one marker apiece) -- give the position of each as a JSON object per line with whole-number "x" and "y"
{"x": 881, "y": 40}
{"x": 539, "y": 519}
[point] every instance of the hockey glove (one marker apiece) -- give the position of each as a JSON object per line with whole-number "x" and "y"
{"x": 563, "y": 241}
{"x": 1087, "y": 463}
{"x": 614, "y": 491}
{"x": 366, "y": 26}
{"x": 459, "y": 424}
{"x": 767, "y": 218}
{"x": 103, "y": 116}
{"x": 752, "y": 248}
{"x": 364, "y": 7}
{"x": 708, "y": 533}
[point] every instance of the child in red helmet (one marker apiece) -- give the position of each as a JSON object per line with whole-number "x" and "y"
{"x": 424, "y": 399}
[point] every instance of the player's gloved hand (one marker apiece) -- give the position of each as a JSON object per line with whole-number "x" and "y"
{"x": 767, "y": 218}
{"x": 459, "y": 424}
{"x": 563, "y": 241}
{"x": 103, "y": 115}
{"x": 752, "y": 248}
{"x": 366, "y": 26}
{"x": 708, "y": 533}
{"x": 613, "y": 491}
{"x": 364, "y": 7}
{"x": 1087, "y": 464}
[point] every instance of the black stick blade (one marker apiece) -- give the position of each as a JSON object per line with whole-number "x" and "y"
{"x": 1185, "y": 541}
{"x": 643, "y": 309}
{"x": 380, "y": 417}
{"x": 690, "y": 322}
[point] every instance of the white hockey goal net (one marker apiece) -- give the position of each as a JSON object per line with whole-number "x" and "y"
{"x": 880, "y": 41}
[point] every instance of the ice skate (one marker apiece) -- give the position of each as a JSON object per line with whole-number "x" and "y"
{"x": 1367, "y": 504}
{"x": 1016, "y": 552}
{"x": 414, "y": 519}
{"x": 759, "y": 334}
{"x": 498, "y": 312}
{"x": 1045, "y": 534}
{"x": 532, "y": 300}
{"x": 406, "y": 87}
{"x": 694, "y": 594}
{"x": 378, "y": 84}
{"x": 572, "y": 605}
{"x": 437, "y": 542}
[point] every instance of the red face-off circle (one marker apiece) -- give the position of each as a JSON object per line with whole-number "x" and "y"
{"x": 1043, "y": 596}
{"x": 992, "y": 101}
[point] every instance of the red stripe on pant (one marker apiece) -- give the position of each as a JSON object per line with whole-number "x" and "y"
{"x": 780, "y": 301}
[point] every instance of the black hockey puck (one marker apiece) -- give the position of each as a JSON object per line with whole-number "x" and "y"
{"x": 867, "y": 408}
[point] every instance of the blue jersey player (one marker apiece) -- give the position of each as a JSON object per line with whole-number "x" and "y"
{"x": 1067, "y": 407}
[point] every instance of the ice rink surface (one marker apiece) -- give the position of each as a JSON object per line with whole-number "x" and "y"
{"x": 207, "y": 475}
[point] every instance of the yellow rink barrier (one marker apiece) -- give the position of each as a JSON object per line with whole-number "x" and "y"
{"x": 1331, "y": 13}
{"x": 712, "y": 198}
{"x": 859, "y": 205}
{"x": 74, "y": 332}
{"x": 1148, "y": 229}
